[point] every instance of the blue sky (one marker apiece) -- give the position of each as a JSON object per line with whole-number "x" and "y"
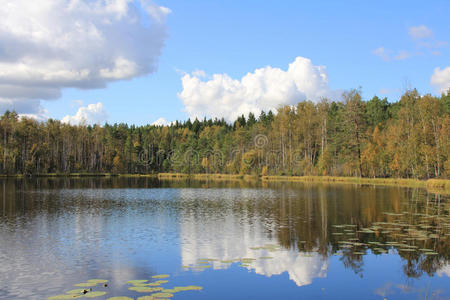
{"x": 237, "y": 37}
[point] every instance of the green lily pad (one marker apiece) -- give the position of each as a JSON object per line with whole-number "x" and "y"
{"x": 136, "y": 281}
{"x": 152, "y": 284}
{"x": 406, "y": 250}
{"x": 188, "y": 288}
{"x": 182, "y": 289}
{"x": 266, "y": 257}
{"x": 158, "y": 282}
{"x": 64, "y": 296}
{"x": 145, "y": 289}
{"x": 142, "y": 284}
{"x": 162, "y": 295}
{"x": 94, "y": 294}
{"x": 146, "y": 298}
{"x": 86, "y": 284}
{"x": 76, "y": 291}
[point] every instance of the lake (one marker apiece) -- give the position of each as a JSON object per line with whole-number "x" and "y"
{"x": 226, "y": 240}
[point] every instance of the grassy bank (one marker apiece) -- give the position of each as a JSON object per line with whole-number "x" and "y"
{"x": 58, "y": 175}
{"x": 441, "y": 185}
{"x": 433, "y": 185}
{"x": 356, "y": 180}
{"x": 438, "y": 185}
{"x": 206, "y": 176}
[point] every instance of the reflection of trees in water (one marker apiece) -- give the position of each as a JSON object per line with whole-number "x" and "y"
{"x": 306, "y": 222}
{"x": 300, "y": 216}
{"x": 354, "y": 262}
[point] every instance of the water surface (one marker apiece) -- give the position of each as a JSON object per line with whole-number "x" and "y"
{"x": 236, "y": 240}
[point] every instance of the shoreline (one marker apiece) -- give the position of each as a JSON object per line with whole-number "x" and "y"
{"x": 429, "y": 184}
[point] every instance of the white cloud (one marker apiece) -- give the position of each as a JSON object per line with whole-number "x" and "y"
{"x": 423, "y": 38}
{"x": 387, "y": 55}
{"x": 161, "y": 122}
{"x": 402, "y": 54}
{"x": 91, "y": 114}
{"x": 445, "y": 270}
{"x": 420, "y": 32}
{"x": 382, "y": 53}
{"x": 263, "y": 89}
{"x": 237, "y": 238}
{"x": 441, "y": 79}
{"x": 49, "y": 45}
{"x": 199, "y": 73}
{"x": 76, "y": 103}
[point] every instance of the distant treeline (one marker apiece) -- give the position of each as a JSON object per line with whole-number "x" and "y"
{"x": 374, "y": 138}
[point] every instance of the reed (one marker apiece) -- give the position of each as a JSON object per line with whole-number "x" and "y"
{"x": 440, "y": 184}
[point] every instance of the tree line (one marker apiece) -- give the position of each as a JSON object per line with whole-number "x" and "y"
{"x": 351, "y": 137}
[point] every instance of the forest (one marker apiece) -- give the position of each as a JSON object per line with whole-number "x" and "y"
{"x": 351, "y": 137}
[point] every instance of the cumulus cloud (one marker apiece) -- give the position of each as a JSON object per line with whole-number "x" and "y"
{"x": 49, "y": 45}
{"x": 402, "y": 54}
{"x": 420, "y": 32}
{"x": 199, "y": 239}
{"x": 441, "y": 79}
{"x": 382, "y": 53}
{"x": 91, "y": 114}
{"x": 388, "y": 55}
{"x": 422, "y": 38}
{"x": 444, "y": 271}
{"x": 161, "y": 122}
{"x": 263, "y": 89}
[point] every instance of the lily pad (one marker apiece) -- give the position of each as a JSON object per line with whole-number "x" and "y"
{"x": 406, "y": 250}
{"x": 182, "y": 289}
{"x": 188, "y": 288}
{"x": 136, "y": 281}
{"x": 120, "y": 298}
{"x": 64, "y": 296}
{"x": 161, "y": 276}
{"x": 145, "y": 289}
{"x": 158, "y": 282}
{"x": 152, "y": 284}
{"x": 94, "y": 294}
{"x": 76, "y": 291}
{"x": 86, "y": 284}
{"x": 162, "y": 295}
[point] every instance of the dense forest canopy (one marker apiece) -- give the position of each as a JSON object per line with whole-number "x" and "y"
{"x": 352, "y": 137}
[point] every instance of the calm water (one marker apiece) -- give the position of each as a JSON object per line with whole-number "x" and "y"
{"x": 263, "y": 241}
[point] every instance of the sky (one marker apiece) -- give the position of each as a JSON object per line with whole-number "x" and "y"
{"x": 153, "y": 62}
